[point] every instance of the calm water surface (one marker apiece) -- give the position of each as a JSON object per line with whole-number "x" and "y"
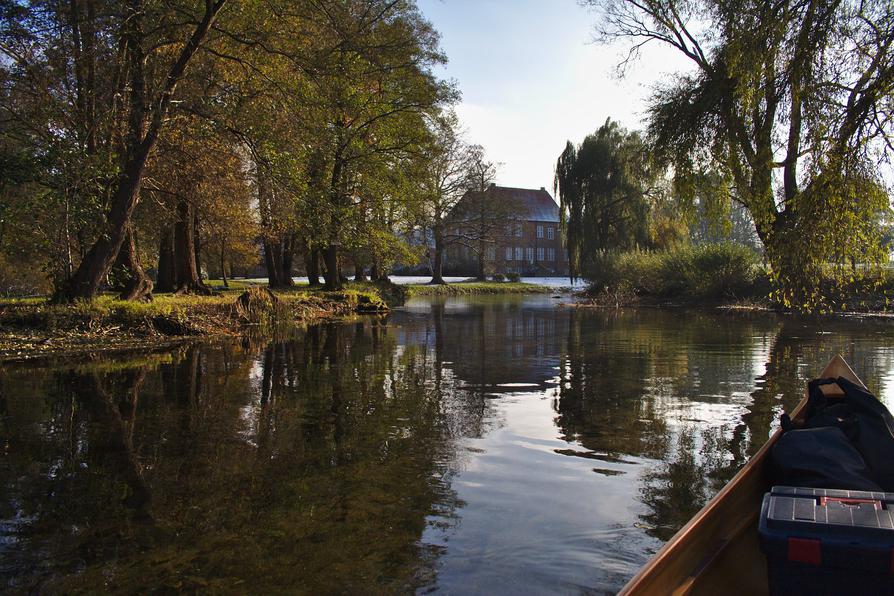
{"x": 461, "y": 446}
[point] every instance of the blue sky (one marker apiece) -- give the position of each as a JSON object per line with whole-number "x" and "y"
{"x": 532, "y": 78}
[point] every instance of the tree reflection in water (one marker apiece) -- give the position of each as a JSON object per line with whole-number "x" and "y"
{"x": 311, "y": 463}
{"x": 322, "y": 461}
{"x": 697, "y": 394}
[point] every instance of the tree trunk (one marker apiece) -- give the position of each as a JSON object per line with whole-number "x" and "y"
{"x": 137, "y": 285}
{"x": 437, "y": 268}
{"x": 94, "y": 267}
{"x": 165, "y": 277}
{"x": 197, "y": 242}
{"x": 287, "y": 258}
{"x": 359, "y": 274}
{"x": 312, "y": 265}
{"x": 332, "y": 275}
{"x": 482, "y": 269}
{"x": 272, "y": 262}
{"x": 68, "y": 265}
{"x": 223, "y": 267}
{"x": 186, "y": 272}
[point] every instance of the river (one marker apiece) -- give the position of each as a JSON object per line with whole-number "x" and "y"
{"x": 495, "y": 445}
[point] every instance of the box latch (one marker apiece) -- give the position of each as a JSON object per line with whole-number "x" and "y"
{"x": 847, "y": 502}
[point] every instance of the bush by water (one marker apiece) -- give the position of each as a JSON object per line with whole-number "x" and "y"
{"x": 704, "y": 272}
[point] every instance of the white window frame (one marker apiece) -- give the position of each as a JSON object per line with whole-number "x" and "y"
{"x": 541, "y": 253}
{"x": 550, "y": 233}
{"x": 519, "y": 253}
{"x": 508, "y": 253}
{"x": 540, "y": 231}
{"x": 550, "y": 254}
{"x": 529, "y": 254}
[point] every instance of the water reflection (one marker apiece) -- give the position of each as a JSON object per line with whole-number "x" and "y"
{"x": 484, "y": 446}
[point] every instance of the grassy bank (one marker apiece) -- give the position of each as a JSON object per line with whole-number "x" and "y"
{"x": 463, "y": 288}
{"x": 32, "y": 327}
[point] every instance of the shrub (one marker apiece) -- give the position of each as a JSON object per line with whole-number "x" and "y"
{"x": 703, "y": 272}
{"x": 513, "y": 277}
{"x": 498, "y": 277}
{"x": 638, "y": 271}
{"x": 722, "y": 270}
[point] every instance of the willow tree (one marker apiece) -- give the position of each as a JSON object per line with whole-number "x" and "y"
{"x": 603, "y": 187}
{"x": 792, "y": 101}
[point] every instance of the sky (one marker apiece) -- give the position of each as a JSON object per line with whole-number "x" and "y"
{"x": 532, "y": 78}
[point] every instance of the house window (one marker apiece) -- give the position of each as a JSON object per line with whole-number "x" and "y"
{"x": 529, "y": 254}
{"x": 491, "y": 254}
{"x": 541, "y": 253}
{"x": 550, "y": 254}
{"x": 508, "y": 253}
{"x": 519, "y": 255}
{"x": 540, "y": 231}
{"x": 550, "y": 233}
{"x": 518, "y": 231}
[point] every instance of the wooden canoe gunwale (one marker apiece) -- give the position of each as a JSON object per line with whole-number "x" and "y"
{"x": 688, "y": 557}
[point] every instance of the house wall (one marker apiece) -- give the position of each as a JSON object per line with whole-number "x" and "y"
{"x": 535, "y": 252}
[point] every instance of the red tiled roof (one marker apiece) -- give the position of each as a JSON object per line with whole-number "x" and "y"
{"x": 530, "y": 204}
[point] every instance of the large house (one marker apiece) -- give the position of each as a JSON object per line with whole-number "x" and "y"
{"x": 524, "y": 236}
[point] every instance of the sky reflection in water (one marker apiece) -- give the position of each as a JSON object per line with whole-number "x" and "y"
{"x": 467, "y": 445}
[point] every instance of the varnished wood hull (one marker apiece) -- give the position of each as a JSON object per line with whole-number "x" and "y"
{"x": 718, "y": 552}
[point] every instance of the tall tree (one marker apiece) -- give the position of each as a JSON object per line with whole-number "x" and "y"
{"x": 480, "y": 221}
{"x": 374, "y": 86}
{"x": 443, "y": 182}
{"x": 792, "y": 101}
{"x": 602, "y": 187}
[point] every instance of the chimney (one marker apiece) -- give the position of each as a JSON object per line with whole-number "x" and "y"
{"x": 543, "y": 188}
{"x": 493, "y": 185}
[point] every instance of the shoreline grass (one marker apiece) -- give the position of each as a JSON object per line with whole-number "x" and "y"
{"x": 469, "y": 288}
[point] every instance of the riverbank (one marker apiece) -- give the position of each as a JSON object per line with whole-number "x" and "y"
{"x": 32, "y": 328}
{"x": 870, "y": 308}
